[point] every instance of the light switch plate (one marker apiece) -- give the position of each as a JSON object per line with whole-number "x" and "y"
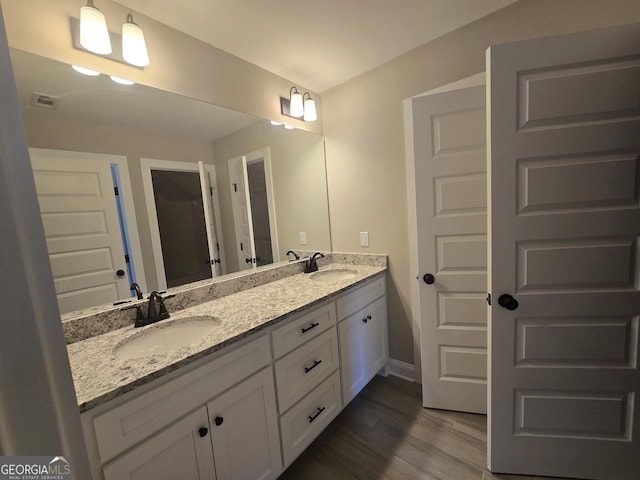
{"x": 364, "y": 239}
{"x": 303, "y": 238}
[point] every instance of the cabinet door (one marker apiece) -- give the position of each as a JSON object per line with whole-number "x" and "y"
{"x": 376, "y": 338}
{"x": 182, "y": 450}
{"x": 244, "y": 430}
{"x": 352, "y": 344}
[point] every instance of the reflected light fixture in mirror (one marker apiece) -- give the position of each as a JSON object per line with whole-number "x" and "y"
{"x": 134, "y": 47}
{"x": 85, "y": 71}
{"x": 94, "y": 35}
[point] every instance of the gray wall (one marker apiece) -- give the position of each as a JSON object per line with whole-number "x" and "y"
{"x": 363, "y": 124}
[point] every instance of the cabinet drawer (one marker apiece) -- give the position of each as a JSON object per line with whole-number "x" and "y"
{"x": 303, "y": 369}
{"x": 302, "y": 329}
{"x": 129, "y": 423}
{"x": 358, "y": 299}
{"x": 302, "y": 424}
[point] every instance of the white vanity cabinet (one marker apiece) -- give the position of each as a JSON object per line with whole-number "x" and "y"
{"x": 307, "y": 377}
{"x": 182, "y": 450}
{"x": 202, "y": 423}
{"x": 250, "y": 409}
{"x": 362, "y": 333}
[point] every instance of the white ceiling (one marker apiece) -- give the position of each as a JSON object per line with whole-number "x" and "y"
{"x": 317, "y": 44}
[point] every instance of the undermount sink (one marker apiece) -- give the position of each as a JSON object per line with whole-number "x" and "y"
{"x": 335, "y": 275}
{"x": 164, "y": 337}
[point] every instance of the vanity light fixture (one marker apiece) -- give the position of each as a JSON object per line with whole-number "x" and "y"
{"x": 310, "y": 114}
{"x": 296, "y": 105}
{"x": 94, "y": 35}
{"x": 299, "y": 106}
{"x": 134, "y": 48}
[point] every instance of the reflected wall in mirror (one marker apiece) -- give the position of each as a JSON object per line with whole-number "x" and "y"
{"x": 93, "y": 116}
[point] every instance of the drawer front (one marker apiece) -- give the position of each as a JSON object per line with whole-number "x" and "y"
{"x": 303, "y": 329}
{"x": 303, "y": 369}
{"x": 126, "y": 425}
{"x": 359, "y": 298}
{"x": 302, "y": 424}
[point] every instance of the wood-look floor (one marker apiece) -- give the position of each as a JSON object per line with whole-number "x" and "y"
{"x": 384, "y": 433}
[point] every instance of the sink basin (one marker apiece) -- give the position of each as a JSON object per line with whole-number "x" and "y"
{"x": 164, "y": 337}
{"x": 330, "y": 276}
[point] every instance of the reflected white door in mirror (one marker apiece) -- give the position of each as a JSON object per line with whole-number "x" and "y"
{"x": 90, "y": 230}
{"x": 183, "y": 213}
{"x": 254, "y": 212}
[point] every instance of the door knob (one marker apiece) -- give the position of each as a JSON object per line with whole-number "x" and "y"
{"x": 203, "y": 431}
{"x": 218, "y": 421}
{"x": 428, "y": 278}
{"x": 120, "y": 273}
{"x": 507, "y": 301}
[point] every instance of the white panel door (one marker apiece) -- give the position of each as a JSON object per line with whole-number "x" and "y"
{"x": 82, "y": 228}
{"x": 449, "y": 131}
{"x": 242, "y": 218}
{"x": 564, "y": 173}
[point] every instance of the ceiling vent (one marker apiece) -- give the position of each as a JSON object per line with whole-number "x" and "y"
{"x": 44, "y": 101}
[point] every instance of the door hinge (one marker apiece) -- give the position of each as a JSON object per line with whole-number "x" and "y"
{"x": 489, "y": 299}
{"x": 235, "y": 187}
{"x": 241, "y": 247}
{"x": 126, "y": 258}
{"x": 211, "y": 191}
{"x": 116, "y": 191}
{"x": 217, "y": 246}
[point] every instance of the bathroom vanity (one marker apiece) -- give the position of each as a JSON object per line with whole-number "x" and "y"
{"x": 244, "y": 401}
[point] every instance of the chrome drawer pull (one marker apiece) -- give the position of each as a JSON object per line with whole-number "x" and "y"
{"x": 315, "y": 364}
{"x": 312, "y": 418}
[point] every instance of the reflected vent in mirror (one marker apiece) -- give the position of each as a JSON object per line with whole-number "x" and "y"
{"x": 44, "y": 101}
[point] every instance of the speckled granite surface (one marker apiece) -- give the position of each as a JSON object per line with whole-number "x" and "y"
{"x": 90, "y": 322}
{"x": 99, "y": 376}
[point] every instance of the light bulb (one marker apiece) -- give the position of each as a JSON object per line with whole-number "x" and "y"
{"x": 134, "y": 48}
{"x": 94, "y": 35}
{"x": 310, "y": 114}
{"x": 296, "y": 106}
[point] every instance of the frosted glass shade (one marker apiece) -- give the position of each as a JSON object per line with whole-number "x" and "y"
{"x": 134, "y": 48}
{"x": 296, "y": 108}
{"x": 310, "y": 114}
{"x": 94, "y": 35}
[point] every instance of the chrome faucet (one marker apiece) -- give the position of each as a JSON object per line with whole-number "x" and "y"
{"x": 312, "y": 265}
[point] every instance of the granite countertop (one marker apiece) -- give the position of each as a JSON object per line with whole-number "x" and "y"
{"x": 99, "y": 376}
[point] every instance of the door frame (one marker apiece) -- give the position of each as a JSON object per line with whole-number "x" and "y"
{"x": 264, "y": 154}
{"x": 478, "y": 79}
{"x": 121, "y": 163}
{"x": 146, "y": 165}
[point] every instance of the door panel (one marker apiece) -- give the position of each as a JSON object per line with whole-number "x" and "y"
{"x": 242, "y": 217}
{"x": 82, "y": 228}
{"x": 451, "y": 194}
{"x": 564, "y": 125}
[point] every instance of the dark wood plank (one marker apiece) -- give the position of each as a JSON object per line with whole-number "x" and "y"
{"x": 386, "y": 434}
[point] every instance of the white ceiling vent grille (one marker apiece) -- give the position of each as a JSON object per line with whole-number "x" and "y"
{"x": 44, "y": 101}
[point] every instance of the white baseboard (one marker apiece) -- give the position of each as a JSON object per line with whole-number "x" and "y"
{"x": 402, "y": 370}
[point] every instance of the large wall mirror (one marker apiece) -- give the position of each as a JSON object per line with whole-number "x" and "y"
{"x": 199, "y": 185}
